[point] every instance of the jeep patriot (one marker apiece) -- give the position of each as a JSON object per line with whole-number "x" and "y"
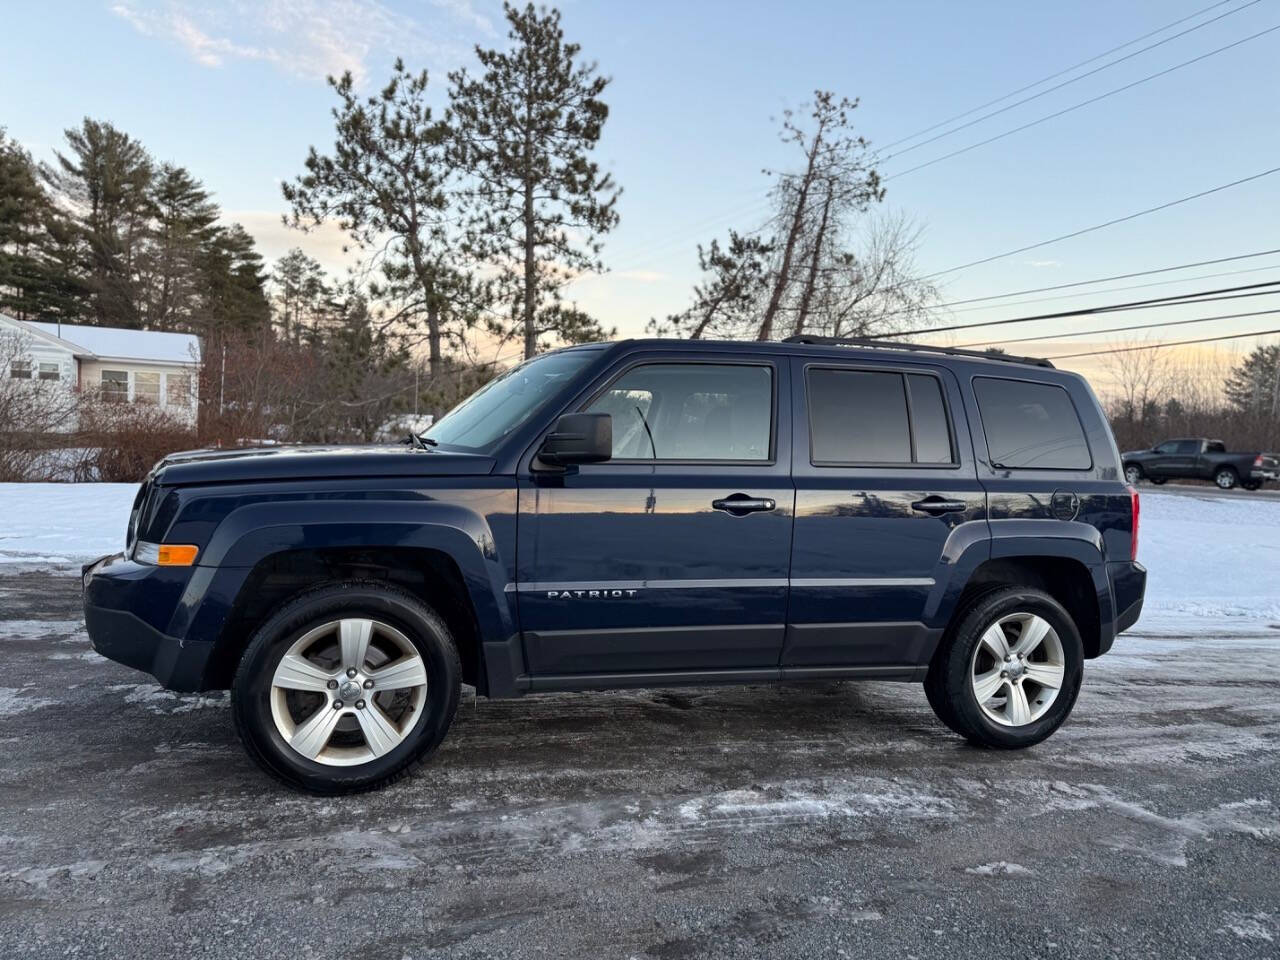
{"x": 641, "y": 514}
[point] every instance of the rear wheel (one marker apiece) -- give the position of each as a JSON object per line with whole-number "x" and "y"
{"x": 1009, "y": 671}
{"x": 1252, "y": 484}
{"x": 348, "y": 687}
{"x": 1226, "y": 478}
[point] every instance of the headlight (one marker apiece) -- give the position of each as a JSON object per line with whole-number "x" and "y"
{"x": 165, "y": 554}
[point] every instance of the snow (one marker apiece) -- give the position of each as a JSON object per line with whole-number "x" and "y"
{"x": 1213, "y": 560}
{"x": 1209, "y": 558}
{"x": 116, "y": 342}
{"x": 61, "y": 524}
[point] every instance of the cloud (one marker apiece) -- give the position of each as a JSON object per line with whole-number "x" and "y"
{"x": 274, "y": 239}
{"x": 308, "y": 38}
{"x": 1042, "y": 264}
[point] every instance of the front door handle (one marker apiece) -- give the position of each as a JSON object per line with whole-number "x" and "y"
{"x": 740, "y": 504}
{"x": 936, "y": 505}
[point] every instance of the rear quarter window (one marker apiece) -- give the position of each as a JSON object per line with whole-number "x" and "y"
{"x": 1031, "y": 425}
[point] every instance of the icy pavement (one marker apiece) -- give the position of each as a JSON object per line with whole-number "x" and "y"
{"x": 797, "y": 821}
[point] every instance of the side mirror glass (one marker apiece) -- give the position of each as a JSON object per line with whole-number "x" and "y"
{"x": 579, "y": 438}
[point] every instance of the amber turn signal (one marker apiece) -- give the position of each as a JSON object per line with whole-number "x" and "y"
{"x": 176, "y": 554}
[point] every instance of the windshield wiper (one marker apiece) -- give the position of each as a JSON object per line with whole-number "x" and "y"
{"x": 420, "y": 441}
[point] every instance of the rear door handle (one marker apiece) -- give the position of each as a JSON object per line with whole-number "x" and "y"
{"x": 740, "y": 504}
{"x": 937, "y": 505}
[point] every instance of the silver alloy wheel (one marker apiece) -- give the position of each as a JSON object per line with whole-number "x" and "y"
{"x": 1133, "y": 475}
{"x": 1225, "y": 479}
{"x": 361, "y": 679}
{"x": 1017, "y": 669}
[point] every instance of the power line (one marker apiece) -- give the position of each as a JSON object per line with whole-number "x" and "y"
{"x": 1174, "y": 300}
{"x": 1135, "y": 286}
{"x": 1136, "y": 326}
{"x": 1169, "y": 343}
{"x": 1083, "y": 103}
{"x": 1066, "y": 83}
{"x": 1054, "y": 76}
{"x": 1103, "y": 226}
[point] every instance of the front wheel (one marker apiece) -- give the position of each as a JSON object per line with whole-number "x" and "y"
{"x": 1225, "y": 478}
{"x": 1133, "y": 474}
{"x": 349, "y": 687}
{"x": 1009, "y": 671}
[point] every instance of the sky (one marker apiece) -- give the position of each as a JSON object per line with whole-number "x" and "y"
{"x": 236, "y": 92}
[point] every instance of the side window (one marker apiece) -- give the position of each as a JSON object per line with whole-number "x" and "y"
{"x": 1188, "y": 446}
{"x": 870, "y": 416}
{"x": 1032, "y": 425}
{"x": 929, "y": 420}
{"x": 690, "y": 411}
{"x": 1167, "y": 447}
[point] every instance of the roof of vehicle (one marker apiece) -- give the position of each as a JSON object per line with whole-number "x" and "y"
{"x": 844, "y": 348}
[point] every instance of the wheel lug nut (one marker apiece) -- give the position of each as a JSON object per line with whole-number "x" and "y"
{"x": 359, "y": 704}
{"x": 351, "y": 671}
{"x": 1004, "y": 674}
{"x": 333, "y": 684}
{"x": 368, "y": 684}
{"x": 337, "y": 704}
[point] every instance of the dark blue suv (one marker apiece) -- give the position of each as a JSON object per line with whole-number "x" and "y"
{"x": 642, "y": 514}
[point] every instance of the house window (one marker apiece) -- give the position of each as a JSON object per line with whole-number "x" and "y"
{"x": 146, "y": 388}
{"x": 177, "y": 390}
{"x": 20, "y": 369}
{"x": 50, "y": 371}
{"x": 115, "y": 386}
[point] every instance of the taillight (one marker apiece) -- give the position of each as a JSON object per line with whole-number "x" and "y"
{"x": 1257, "y": 461}
{"x": 1133, "y": 506}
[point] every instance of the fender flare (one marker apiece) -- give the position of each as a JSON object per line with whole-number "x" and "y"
{"x": 252, "y": 533}
{"x": 967, "y": 549}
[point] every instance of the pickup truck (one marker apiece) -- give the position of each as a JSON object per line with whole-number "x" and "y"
{"x": 641, "y": 514}
{"x": 1198, "y": 458}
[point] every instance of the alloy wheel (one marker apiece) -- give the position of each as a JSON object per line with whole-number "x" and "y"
{"x": 348, "y": 691}
{"x": 1017, "y": 669}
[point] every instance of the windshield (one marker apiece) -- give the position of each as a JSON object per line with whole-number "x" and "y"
{"x": 505, "y": 403}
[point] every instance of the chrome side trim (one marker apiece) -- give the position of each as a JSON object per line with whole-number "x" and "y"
{"x": 727, "y": 583}
{"x": 862, "y": 582}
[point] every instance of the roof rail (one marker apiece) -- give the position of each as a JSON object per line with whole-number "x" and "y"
{"x": 917, "y": 347}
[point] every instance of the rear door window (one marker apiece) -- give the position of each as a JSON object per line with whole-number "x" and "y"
{"x": 1031, "y": 425}
{"x": 876, "y": 417}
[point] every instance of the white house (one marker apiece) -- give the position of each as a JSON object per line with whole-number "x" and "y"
{"x": 126, "y": 366}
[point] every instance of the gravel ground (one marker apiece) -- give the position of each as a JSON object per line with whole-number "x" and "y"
{"x": 799, "y": 821}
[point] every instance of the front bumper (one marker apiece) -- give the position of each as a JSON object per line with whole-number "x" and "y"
{"x": 123, "y": 603}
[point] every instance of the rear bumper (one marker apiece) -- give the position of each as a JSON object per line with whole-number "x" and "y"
{"x": 123, "y": 601}
{"x": 1262, "y": 475}
{"x": 1128, "y": 587}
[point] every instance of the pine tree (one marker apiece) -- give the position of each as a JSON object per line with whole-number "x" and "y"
{"x": 303, "y": 296}
{"x": 232, "y": 284}
{"x": 725, "y": 304}
{"x": 527, "y": 127}
{"x": 181, "y": 229}
{"x": 106, "y": 178}
{"x": 389, "y": 177}
{"x": 1254, "y": 386}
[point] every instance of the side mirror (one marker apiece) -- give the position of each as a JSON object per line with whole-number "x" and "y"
{"x": 579, "y": 438}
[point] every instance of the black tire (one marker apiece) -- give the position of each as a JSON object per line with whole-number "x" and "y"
{"x": 1157, "y": 480}
{"x": 251, "y": 689}
{"x": 948, "y": 686}
{"x": 1226, "y": 478}
{"x": 1252, "y": 485}
{"x": 1134, "y": 474}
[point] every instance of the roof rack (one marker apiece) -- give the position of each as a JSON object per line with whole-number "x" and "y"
{"x": 917, "y": 347}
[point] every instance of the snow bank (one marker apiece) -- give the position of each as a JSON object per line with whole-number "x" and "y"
{"x": 1211, "y": 558}
{"x": 61, "y": 525}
